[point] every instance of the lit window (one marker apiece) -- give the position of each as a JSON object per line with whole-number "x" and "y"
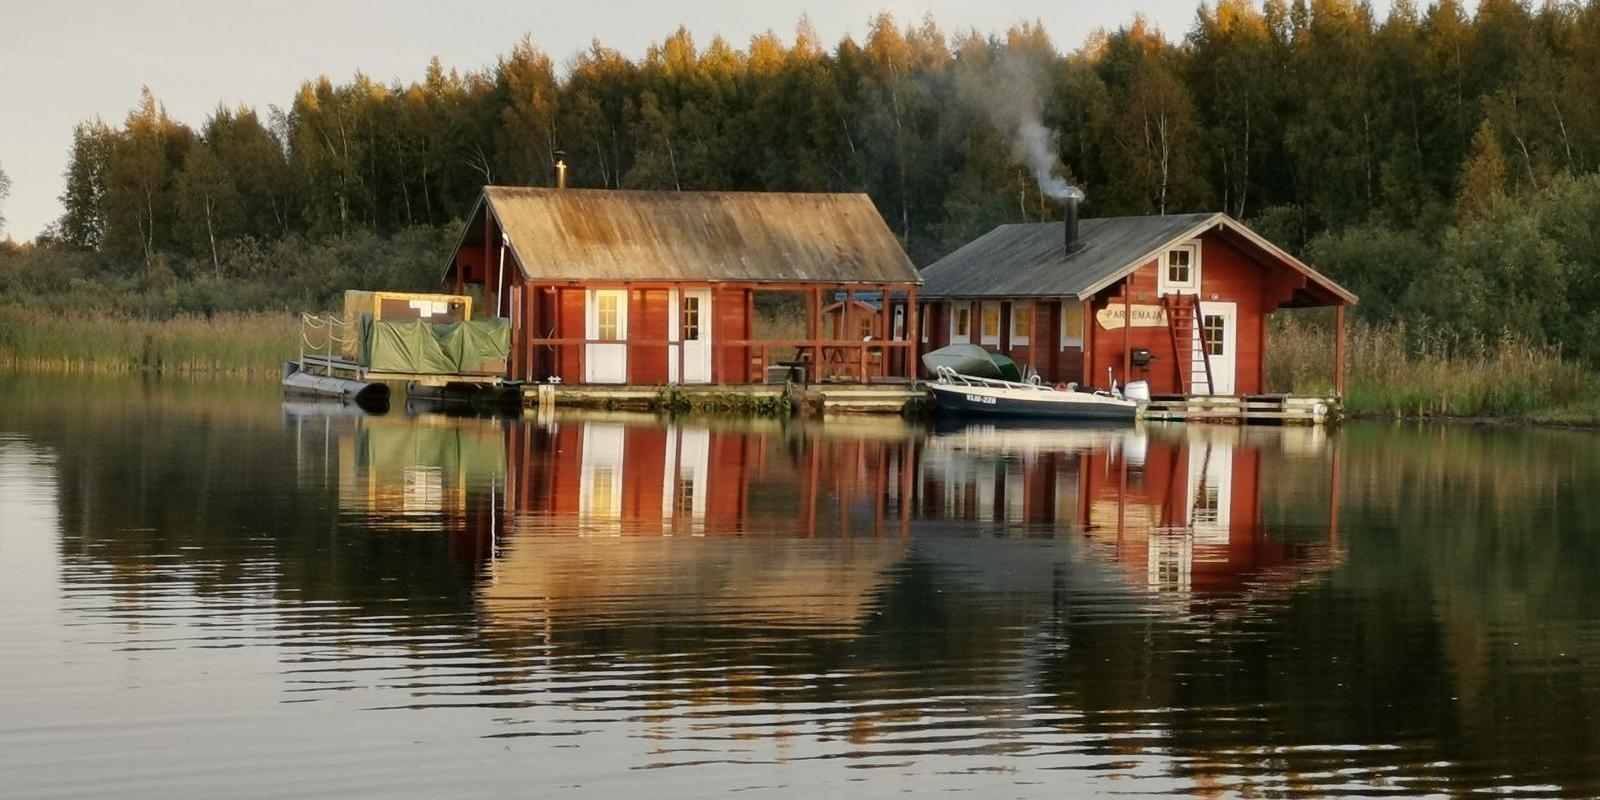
{"x": 1021, "y": 321}
{"x": 991, "y": 321}
{"x": 602, "y": 493}
{"x": 1212, "y": 328}
{"x": 690, "y": 328}
{"x": 606, "y": 316}
{"x": 685, "y": 497}
{"x": 963, "y": 321}
{"x": 1071, "y": 323}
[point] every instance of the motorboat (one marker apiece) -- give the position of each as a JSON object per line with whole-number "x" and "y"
{"x": 972, "y": 395}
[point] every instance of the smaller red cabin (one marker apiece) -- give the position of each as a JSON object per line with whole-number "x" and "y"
{"x": 1180, "y": 301}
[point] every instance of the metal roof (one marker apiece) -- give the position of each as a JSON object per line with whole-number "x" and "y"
{"x": 1030, "y": 260}
{"x": 603, "y": 234}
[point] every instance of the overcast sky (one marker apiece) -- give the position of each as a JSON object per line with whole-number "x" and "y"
{"x": 62, "y": 61}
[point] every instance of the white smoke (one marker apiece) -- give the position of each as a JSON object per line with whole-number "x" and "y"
{"x": 1009, "y": 95}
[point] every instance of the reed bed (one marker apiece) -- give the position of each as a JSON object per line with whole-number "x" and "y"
{"x": 253, "y": 344}
{"x": 1414, "y": 371}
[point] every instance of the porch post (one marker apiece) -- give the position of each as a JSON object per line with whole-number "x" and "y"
{"x": 1127, "y": 330}
{"x": 627, "y": 348}
{"x": 814, "y": 332}
{"x": 913, "y": 331}
{"x": 1338, "y": 351}
{"x": 749, "y": 334}
{"x": 675, "y": 331}
{"x": 1088, "y": 344}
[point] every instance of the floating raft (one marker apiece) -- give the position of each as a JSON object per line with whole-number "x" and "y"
{"x": 1269, "y": 409}
{"x": 370, "y": 396}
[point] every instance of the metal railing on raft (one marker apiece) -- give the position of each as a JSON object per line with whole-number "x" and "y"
{"x": 328, "y": 325}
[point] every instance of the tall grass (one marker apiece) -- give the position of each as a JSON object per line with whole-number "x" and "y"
{"x": 235, "y": 344}
{"x": 1414, "y": 371}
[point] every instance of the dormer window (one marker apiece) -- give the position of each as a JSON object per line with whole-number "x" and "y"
{"x": 1179, "y": 270}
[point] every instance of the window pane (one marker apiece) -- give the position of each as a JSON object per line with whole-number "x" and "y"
{"x": 690, "y": 320}
{"x": 963, "y": 321}
{"x": 1212, "y": 330}
{"x": 1021, "y": 320}
{"x": 991, "y": 321}
{"x": 606, "y": 316}
{"x": 1072, "y": 322}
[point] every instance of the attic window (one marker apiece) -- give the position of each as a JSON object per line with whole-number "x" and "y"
{"x": 1180, "y": 269}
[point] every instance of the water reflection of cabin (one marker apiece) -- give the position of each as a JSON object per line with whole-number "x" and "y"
{"x": 654, "y": 288}
{"x": 1198, "y": 289}
{"x": 1177, "y": 512}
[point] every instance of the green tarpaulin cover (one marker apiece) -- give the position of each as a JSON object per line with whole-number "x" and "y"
{"x": 480, "y": 347}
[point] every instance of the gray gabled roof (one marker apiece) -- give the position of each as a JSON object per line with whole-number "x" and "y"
{"x": 1030, "y": 260}
{"x": 625, "y": 235}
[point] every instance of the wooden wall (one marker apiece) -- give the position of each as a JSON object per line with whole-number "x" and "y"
{"x": 730, "y": 308}
{"x": 649, "y": 317}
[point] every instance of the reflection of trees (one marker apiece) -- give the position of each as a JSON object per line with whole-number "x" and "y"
{"x": 208, "y": 477}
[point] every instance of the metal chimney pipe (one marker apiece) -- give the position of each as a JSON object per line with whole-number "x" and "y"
{"x": 1072, "y": 224}
{"x": 1072, "y": 200}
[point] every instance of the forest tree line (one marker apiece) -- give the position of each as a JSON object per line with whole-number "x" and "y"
{"x": 1441, "y": 163}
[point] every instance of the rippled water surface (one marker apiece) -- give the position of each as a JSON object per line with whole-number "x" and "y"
{"x": 205, "y": 592}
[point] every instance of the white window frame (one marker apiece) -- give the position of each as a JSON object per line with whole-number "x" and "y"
{"x": 1026, "y": 334}
{"x": 983, "y": 313}
{"x": 1191, "y": 286}
{"x": 956, "y": 334}
{"x": 1070, "y": 338}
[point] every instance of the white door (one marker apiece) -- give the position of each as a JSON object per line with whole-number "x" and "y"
{"x": 1217, "y": 330}
{"x": 1210, "y": 491}
{"x": 606, "y": 319}
{"x": 600, "y": 486}
{"x": 684, "y": 481}
{"x": 691, "y": 328}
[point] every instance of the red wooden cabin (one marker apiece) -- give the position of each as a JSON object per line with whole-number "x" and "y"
{"x": 653, "y": 288}
{"x": 1197, "y": 287}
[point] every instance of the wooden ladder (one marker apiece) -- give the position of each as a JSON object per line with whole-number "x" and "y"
{"x": 1183, "y": 321}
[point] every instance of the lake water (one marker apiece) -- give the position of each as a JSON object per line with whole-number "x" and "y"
{"x": 207, "y": 592}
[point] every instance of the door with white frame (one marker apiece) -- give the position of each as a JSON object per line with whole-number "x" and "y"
{"x": 605, "y": 358}
{"x": 1217, "y": 331}
{"x": 1210, "y": 512}
{"x": 683, "y": 495}
{"x": 691, "y": 330}
{"x": 600, "y": 485}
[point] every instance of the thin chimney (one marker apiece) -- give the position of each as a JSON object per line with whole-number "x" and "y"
{"x": 1073, "y": 245}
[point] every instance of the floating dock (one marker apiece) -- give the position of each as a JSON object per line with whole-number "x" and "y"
{"x": 891, "y": 398}
{"x": 901, "y": 399}
{"x": 1251, "y": 409}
